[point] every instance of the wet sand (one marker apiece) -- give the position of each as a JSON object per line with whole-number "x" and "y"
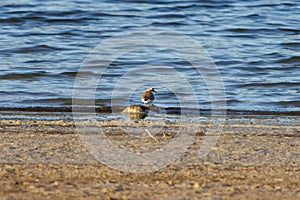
{"x": 252, "y": 160}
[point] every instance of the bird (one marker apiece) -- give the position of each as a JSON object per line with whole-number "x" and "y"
{"x": 137, "y": 111}
{"x": 148, "y": 96}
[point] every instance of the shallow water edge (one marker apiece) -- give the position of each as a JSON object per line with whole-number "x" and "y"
{"x": 109, "y": 113}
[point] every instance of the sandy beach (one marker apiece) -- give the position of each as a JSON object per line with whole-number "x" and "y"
{"x": 253, "y": 159}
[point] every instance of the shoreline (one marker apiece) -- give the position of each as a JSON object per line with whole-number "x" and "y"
{"x": 251, "y": 159}
{"x": 166, "y": 110}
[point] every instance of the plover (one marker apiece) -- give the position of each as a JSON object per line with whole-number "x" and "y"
{"x": 148, "y": 96}
{"x": 137, "y": 109}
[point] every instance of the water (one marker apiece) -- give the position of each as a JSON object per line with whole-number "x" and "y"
{"x": 254, "y": 44}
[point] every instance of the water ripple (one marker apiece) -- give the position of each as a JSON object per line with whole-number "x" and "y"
{"x": 255, "y": 45}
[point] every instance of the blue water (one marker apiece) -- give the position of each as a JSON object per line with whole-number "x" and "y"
{"x": 255, "y": 46}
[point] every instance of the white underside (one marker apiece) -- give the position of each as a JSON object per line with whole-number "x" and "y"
{"x": 148, "y": 101}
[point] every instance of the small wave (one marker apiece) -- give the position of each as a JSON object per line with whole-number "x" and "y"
{"x": 74, "y": 17}
{"x": 228, "y": 62}
{"x": 18, "y": 76}
{"x": 294, "y": 31}
{"x": 81, "y": 74}
{"x": 264, "y": 85}
{"x": 156, "y": 2}
{"x": 289, "y": 103}
{"x": 33, "y": 49}
{"x": 260, "y": 66}
{"x": 291, "y": 44}
{"x": 64, "y": 101}
{"x": 248, "y": 36}
{"x": 175, "y": 23}
{"x": 240, "y": 30}
{"x": 290, "y": 60}
{"x": 167, "y": 16}
{"x": 38, "y": 75}
{"x": 63, "y": 33}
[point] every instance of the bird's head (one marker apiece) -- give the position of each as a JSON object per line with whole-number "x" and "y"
{"x": 151, "y": 90}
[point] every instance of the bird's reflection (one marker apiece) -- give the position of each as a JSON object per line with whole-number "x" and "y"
{"x": 137, "y": 115}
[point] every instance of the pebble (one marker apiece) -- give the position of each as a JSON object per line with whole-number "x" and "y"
{"x": 55, "y": 183}
{"x": 196, "y": 186}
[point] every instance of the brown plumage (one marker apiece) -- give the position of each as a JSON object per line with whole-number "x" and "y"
{"x": 137, "y": 109}
{"x": 148, "y": 96}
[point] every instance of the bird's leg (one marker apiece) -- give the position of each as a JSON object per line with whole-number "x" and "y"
{"x": 151, "y": 135}
{"x": 164, "y": 135}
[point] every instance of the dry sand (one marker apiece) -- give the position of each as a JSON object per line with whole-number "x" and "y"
{"x": 251, "y": 160}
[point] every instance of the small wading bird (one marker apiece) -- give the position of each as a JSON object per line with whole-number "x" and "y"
{"x": 141, "y": 111}
{"x": 137, "y": 111}
{"x": 148, "y": 96}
